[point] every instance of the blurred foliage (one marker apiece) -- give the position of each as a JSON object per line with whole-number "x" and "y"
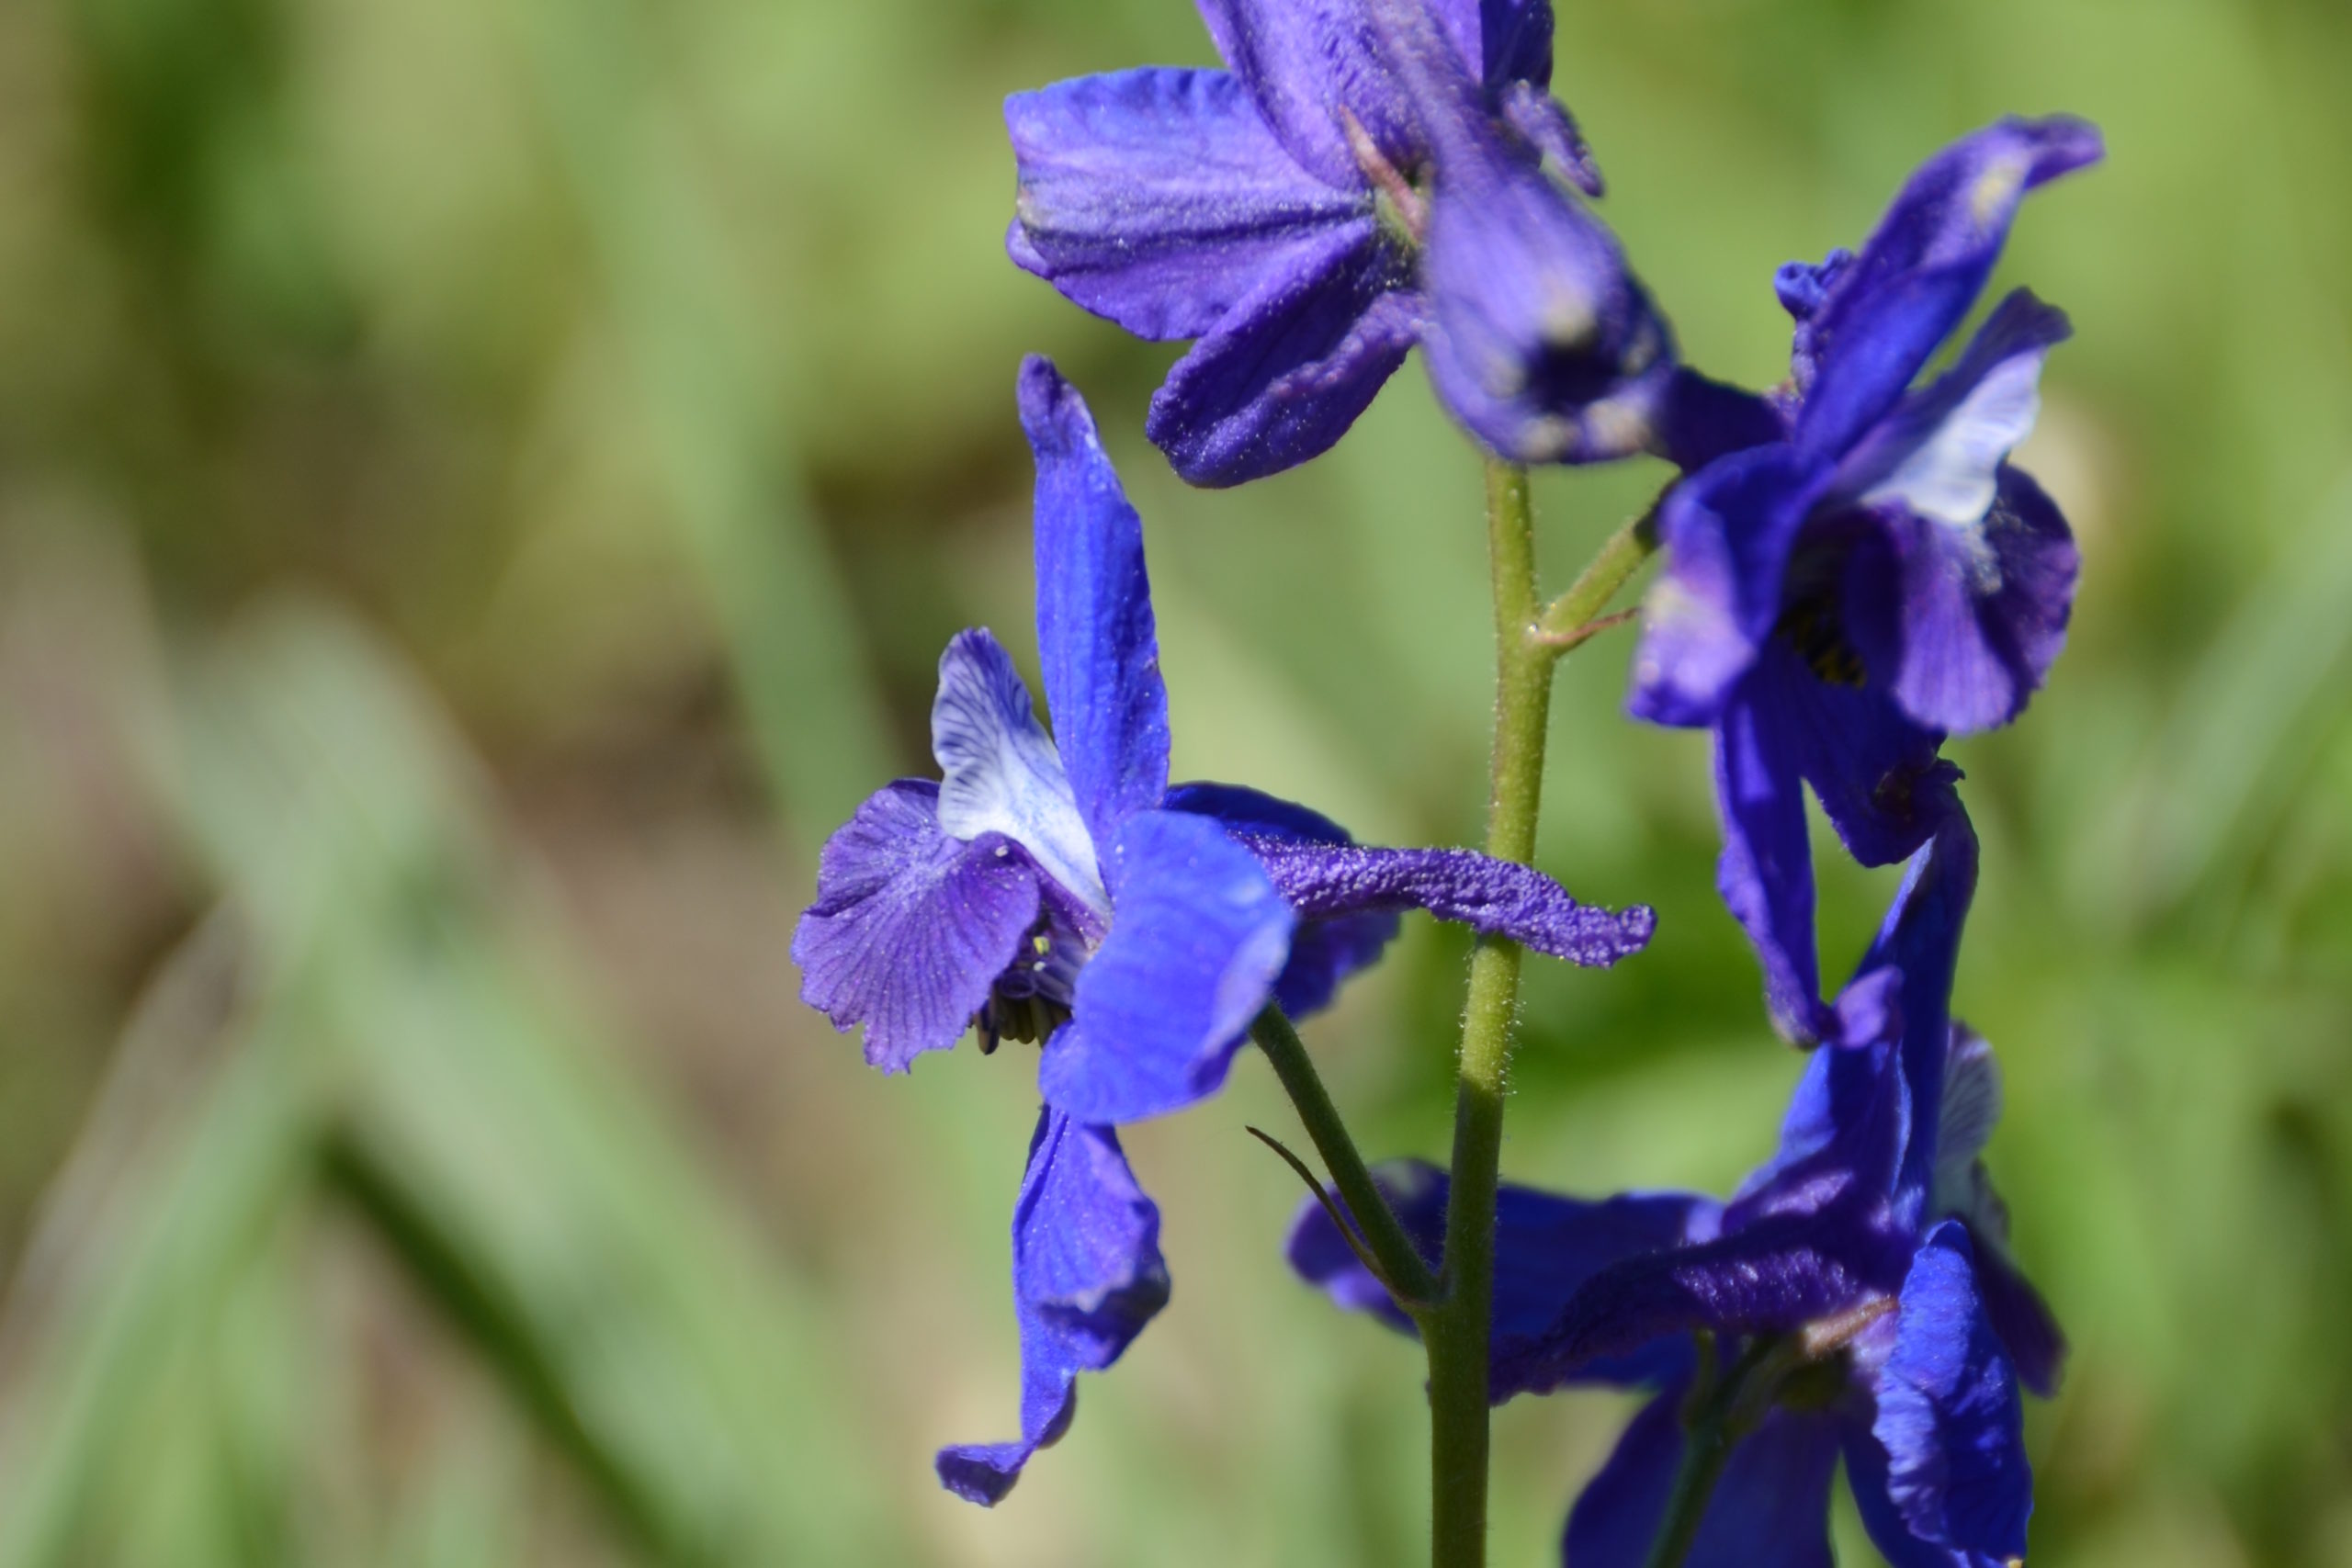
{"x": 483, "y": 487}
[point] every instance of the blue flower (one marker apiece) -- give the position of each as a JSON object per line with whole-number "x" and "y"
{"x": 1064, "y": 893}
{"x": 1873, "y": 1238}
{"x": 1368, "y": 175}
{"x": 1840, "y": 599}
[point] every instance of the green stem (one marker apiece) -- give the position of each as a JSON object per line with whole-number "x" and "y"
{"x": 1570, "y": 617}
{"x": 1706, "y": 1443}
{"x": 1723, "y": 1408}
{"x": 1391, "y": 1248}
{"x": 1458, "y": 1329}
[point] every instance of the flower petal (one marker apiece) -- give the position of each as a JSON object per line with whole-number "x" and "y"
{"x": 1765, "y": 872}
{"x": 1494, "y": 897}
{"x": 1879, "y": 318}
{"x": 1199, "y": 937}
{"x": 1881, "y": 778}
{"x": 1087, "y": 1275}
{"x": 1304, "y": 62}
{"x": 1002, "y": 772}
{"x": 1096, "y": 635}
{"x": 1545, "y": 1246}
{"x": 1769, "y": 1508}
{"x": 1514, "y": 38}
{"x": 1550, "y": 131}
{"x": 1984, "y": 609}
{"x": 1964, "y": 1122}
{"x": 911, "y": 927}
{"x": 1323, "y": 952}
{"x": 1938, "y": 455}
{"x": 1540, "y": 341}
{"x": 1728, "y": 532}
{"x": 2029, "y": 1330}
{"x": 1700, "y": 421}
{"x": 1950, "y": 1419}
{"x": 1293, "y": 364}
{"x": 1779, "y": 1274}
{"x": 1159, "y": 198}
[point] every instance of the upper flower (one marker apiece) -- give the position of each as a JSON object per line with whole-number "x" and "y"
{"x": 1066, "y": 894}
{"x": 1838, "y": 600}
{"x": 1871, "y": 1244}
{"x": 1369, "y": 174}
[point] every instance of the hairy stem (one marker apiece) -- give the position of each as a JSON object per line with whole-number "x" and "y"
{"x": 1375, "y": 1222}
{"x": 1574, "y": 616}
{"x": 1457, "y": 1330}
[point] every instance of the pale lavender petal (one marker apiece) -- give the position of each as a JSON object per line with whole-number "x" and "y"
{"x": 1491, "y": 896}
{"x": 911, "y": 927}
{"x": 1198, "y": 939}
{"x": 1001, "y": 772}
{"x": 1087, "y": 1275}
{"x": 1159, "y": 197}
{"x": 1096, "y": 635}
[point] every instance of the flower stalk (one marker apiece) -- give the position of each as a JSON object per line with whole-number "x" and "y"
{"x": 1401, "y": 1267}
{"x": 1457, "y": 1331}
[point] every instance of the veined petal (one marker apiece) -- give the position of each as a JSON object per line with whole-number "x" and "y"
{"x": 1728, "y": 532}
{"x": 1879, "y": 319}
{"x": 1096, "y": 635}
{"x": 1769, "y": 1508}
{"x": 1323, "y": 951}
{"x": 1304, "y": 62}
{"x": 1199, "y": 937}
{"x": 1159, "y": 197}
{"x": 910, "y": 925}
{"x": 1087, "y": 1275}
{"x": 1950, "y": 1419}
{"x": 1001, "y": 772}
{"x": 1494, "y": 897}
{"x": 1965, "y": 1123}
{"x": 1293, "y": 364}
{"x": 1545, "y": 1246}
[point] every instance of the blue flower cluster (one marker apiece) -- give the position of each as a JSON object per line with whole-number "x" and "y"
{"x": 1854, "y": 573}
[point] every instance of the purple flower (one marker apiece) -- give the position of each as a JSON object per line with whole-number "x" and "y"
{"x": 1841, "y": 598}
{"x": 1368, "y": 175}
{"x": 1064, "y": 892}
{"x": 1872, "y": 1234}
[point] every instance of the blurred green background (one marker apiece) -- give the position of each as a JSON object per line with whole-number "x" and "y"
{"x": 484, "y": 484}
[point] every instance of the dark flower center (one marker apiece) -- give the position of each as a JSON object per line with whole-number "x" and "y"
{"x": 1812, "y": 625}
{"x": 1032, "y": 997}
